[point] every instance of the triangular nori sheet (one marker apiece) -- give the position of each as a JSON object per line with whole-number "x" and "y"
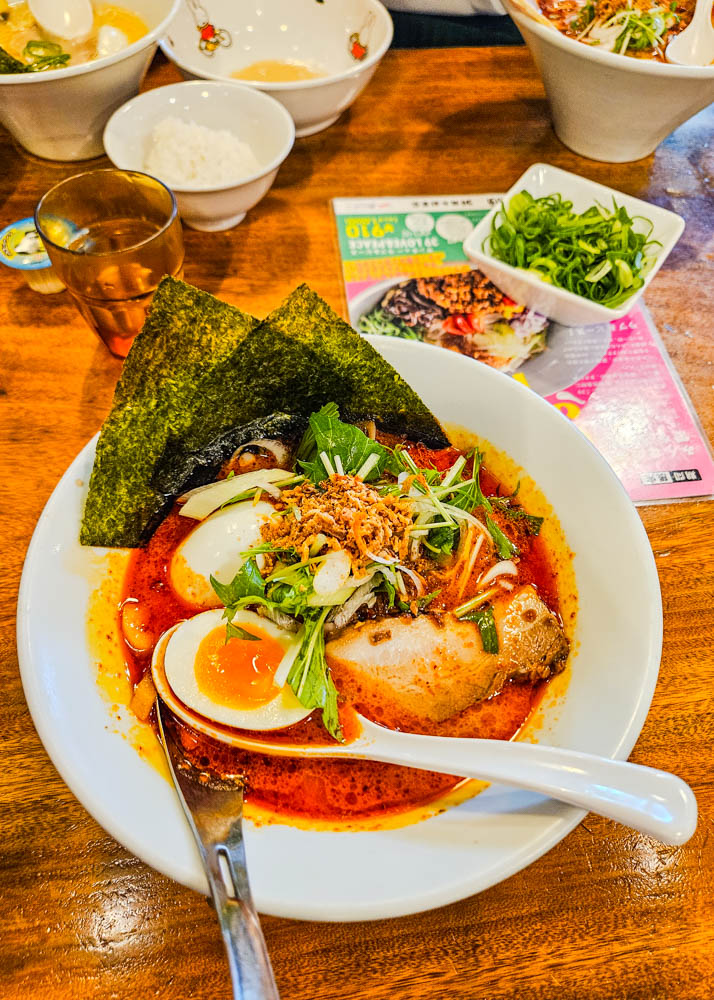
{"x": 187, "y": 333}
{"x": 200, "y": 367}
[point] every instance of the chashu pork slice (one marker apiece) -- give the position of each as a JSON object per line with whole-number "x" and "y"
{"x": 427, "y": 669}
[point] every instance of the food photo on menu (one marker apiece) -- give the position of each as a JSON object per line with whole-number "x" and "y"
{"x": 351, "y": 607}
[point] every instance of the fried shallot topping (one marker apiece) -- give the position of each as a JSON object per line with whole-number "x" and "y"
{"x": 341, "y": 513}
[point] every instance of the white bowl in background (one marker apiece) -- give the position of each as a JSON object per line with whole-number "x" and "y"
{"x": 60, "y": 114}
{"x": 606, "y": 106}
{"x": 557, "y": 303}
{"x": 253, "y": 117}
{"x": 315, "y": 34}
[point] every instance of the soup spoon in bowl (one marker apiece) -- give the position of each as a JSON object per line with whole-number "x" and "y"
{"x": 649, "y": 800}
{"x": 68, "y": 20}
{"x": 695, "y": 45}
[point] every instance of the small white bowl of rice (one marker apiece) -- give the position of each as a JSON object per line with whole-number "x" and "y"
{"x": 218, "y": 146}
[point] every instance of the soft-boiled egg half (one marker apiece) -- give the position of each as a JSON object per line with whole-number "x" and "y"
{"x": 237, "y": 682}
{"x": 214, "y": 548}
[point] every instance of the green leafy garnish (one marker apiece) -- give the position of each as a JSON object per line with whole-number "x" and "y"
{"x": 419, "y": 602}
{"x": 309, "y": 676}
{"x": 532, "y": 522}
{"x": 234, "y": 631}
{"x": 598, "y": 254}
{"x": 504, "y": 546}
{"x": 483, "y": 618}
{"x": 247, "y": 582}
{"x": 331, "y": 446}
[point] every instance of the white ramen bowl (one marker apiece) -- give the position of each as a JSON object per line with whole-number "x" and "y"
{"x": 606, "y": 106}
{"x": 599, "y": 705}
{"x": 557, "y": 303}
{"x": 254, "y": 118}
{"x": 60, "y": 114}
{"x": 317, "y": 35}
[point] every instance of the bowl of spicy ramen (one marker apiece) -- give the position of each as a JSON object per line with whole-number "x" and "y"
{"x": 612, "y": 98}
{"x": 340, "y": 841}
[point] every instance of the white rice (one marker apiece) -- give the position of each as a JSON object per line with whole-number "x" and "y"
{"x": 184, "y": 153}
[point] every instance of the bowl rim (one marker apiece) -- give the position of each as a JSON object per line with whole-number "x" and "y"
{"x": 526, "y": 11}
{"x": 606, "y": 313}
{"x": 291, "y": 86}
{"x": 150, "y": 38}
{"x": 108, "y": 137}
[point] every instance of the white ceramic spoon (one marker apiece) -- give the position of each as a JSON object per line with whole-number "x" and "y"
{"x": 655, "y": 802}
{"x": 68, "y": 20}
{"x": 695, "y": 45}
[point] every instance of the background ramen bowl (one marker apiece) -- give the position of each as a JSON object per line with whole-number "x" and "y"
{"x": 252, "y": 117}
{"x": 557, "y": 303}
{"x": 605, "y": 106}
{"x": 319, "y": 35}
{"x": 60, "y": 114}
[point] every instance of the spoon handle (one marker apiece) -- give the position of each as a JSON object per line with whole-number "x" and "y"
{"x": 214, "y": 809}
{"x": 655, "y": 802}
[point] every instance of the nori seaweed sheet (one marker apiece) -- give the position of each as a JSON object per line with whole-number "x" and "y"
{"x": 201, "y": 367}
{"x": 179, "y": 470}
{"x": 322, "y": 359}
{"x": 186, "y": 335}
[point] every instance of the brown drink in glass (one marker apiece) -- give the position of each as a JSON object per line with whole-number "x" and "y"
{"x": 111, "y": 236}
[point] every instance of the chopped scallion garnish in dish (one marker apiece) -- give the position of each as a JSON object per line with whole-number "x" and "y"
{"x": 600, "y": 254}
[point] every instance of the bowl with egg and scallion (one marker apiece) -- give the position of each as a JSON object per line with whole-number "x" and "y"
{"x": 574, "y": 250}
{"x": 56, "y": 93}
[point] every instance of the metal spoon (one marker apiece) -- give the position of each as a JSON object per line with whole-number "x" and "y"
{"x": 214, "y": 810}
{"x": 69, "y": 20}
{"x": 655, "y": 802}
{"x": 695, "y": 45}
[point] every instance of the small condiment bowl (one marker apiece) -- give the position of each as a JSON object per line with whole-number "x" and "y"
{"x": 342, "y": 41}
{"x": 557, "y": 303}
{"x": 254, "y": 118}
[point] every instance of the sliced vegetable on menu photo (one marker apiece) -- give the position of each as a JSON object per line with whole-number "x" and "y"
{"x": 406, "y": 275}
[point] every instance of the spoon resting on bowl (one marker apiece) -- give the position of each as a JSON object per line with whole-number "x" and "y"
{"x": 695, "y": 45}
{"x": 68, "y": 20}
{"x": 654, "y": 802}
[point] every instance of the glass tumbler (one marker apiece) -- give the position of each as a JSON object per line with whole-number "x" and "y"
{"x": 111, "y": 236}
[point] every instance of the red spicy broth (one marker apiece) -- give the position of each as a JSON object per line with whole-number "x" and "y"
{"x": 330, "y": 790}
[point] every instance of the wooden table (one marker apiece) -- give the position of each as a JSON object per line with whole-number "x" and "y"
{"x": 607, "y": 914}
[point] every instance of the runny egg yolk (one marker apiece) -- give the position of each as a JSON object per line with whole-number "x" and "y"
{"x": 238, "y": 673}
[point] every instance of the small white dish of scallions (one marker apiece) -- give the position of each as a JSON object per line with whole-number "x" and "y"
{"x": 577, "y": 251}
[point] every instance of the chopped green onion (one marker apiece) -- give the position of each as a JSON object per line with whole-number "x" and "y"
{"x": 600, "y": 254}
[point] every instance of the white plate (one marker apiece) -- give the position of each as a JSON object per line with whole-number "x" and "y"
{"x": 570, "y": 351}
{"x": 366, "y": 875}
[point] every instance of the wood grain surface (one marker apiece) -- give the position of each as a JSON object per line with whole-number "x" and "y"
{"x": 607, "y": 914}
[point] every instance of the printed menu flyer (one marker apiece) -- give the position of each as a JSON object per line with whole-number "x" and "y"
{"x": 406, "y": 275}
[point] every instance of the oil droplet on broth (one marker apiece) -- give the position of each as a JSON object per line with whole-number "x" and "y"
{"x": 277, "y": 71}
